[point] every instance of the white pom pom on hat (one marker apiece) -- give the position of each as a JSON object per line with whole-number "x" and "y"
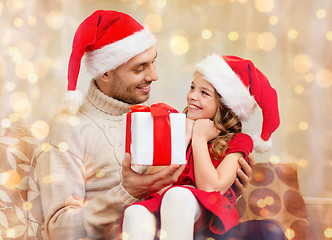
{"x": 108, "y": 39}
{"x": 241, "y": 85}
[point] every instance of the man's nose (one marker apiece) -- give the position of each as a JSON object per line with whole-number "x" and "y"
{"x": 152, "y": 74}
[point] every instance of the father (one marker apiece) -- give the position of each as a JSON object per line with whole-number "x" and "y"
{"x": 84, "y": 182}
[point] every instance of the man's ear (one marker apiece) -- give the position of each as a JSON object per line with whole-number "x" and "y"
{"x": 107, "y": 76}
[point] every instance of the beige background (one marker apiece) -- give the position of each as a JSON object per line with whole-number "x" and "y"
{"x": 289, "y": 41}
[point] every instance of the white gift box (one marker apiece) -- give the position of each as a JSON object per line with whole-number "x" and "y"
{"x": 143, "y": 134}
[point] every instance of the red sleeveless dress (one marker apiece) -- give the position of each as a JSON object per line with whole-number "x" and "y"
{"x": 218, "y": 211}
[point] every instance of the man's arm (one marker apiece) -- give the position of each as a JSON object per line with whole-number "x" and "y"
{"x": 139, "y": 186}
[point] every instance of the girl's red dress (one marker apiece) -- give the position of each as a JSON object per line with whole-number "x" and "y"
{"x": 218, "y": 211}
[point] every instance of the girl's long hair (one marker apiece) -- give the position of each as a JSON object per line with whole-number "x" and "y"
{"x": 228, "y": 124}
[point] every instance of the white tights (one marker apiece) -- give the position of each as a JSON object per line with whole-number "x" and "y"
{"x": 179, "y": 211}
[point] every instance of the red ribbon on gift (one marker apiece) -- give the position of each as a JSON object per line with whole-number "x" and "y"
{"x": 162, "y": 144}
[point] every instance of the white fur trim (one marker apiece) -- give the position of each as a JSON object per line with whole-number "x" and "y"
{"x": 111, "y": 56}
{"x": 260, "y": 145}
{"x": 233, "y": 92}
{"x": 72, "y": 100}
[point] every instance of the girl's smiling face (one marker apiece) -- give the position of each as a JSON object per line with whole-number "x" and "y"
{"x": 202, "y": 99}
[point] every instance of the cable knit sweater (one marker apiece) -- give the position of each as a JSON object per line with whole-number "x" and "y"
{"x": 82, "y": 195}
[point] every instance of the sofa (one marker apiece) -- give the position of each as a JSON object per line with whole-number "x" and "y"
{"x": 273, "y": 192}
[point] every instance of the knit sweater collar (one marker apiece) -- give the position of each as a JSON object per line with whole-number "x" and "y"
{"x": 102, "y": 103}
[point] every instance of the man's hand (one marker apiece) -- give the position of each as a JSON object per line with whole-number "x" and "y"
{"x": 139, "y": 186}
{"x": 243, "y": 175}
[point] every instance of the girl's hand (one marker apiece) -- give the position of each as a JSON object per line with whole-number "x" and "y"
{"x": 189, "y": 130}
{"x": 205, "y": 130}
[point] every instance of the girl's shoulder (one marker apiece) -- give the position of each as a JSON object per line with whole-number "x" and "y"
{"x": 241, "y": 141}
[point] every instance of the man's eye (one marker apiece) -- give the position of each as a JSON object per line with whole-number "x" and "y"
{"x": 139, "y": 69}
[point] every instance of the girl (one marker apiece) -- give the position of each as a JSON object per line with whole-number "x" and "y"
{"x": 223, "y": 93}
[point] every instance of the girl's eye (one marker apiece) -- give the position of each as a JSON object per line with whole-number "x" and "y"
{"x": 192, "y": 87}
{"x": 205, "y": 93}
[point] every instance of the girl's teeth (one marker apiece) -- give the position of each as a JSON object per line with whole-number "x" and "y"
{"x": 194, "y": 107}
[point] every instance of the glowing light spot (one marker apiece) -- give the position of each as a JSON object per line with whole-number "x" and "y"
{"x": 55, "y": 20}
{"x": 32, "y": 21}
{"x": 264, "y": 212}
{"x": 5, "y": 123}
{"x": 46, "y": 147}
{"x": 14, "y": 117}
{"x": 324, "y": 78}
{"x": 321, "y": 13}
{"x": 74, "y": 121}
{"x": 47, "y": 179}
{"x": 259, "y": 176}
{"x": 309, "y": 77}
{"x": 274, "y": 159}
{"x": 242, "y": 1}
{"x": 206, "y": 34}
{"x": 124, "y": 236}
{"x": 292, "y": 34}
{"x": 140, "y": 2}
{"x": 269, "y": 200}
{"x": 261, "y": 203}
{"x": 63, "y": 146}
{"x": 27, "y": 206}
{"x": 302, "y": 63}
{"x": 10, "y": 233}
{"x": 154, "y": 22}
{"x": 302, "y": 163}
{"x": 216, "y": 3}
{"x": 161, "y": 3}
{"x": 32, "y": 78}
{"x": 162, "y": 234}
{"x": 18, "y": 22}
{"x": 266, "y": 41}
{"x": 329, "y": 35}
{"x": 303, "y": 126}
{"x": 328, "y": 232}
{"x": 298, "y": 89}
{"x": 290, "y": 233}
{"x": 252, "y": 41}
{"x": 179, "y": 45}
{"x": 40, "y": 129}
{"x": 264, "y": 5}
{"x": 233, "y": 36}
{"x": 12, "y": 179}
{"x": 100, "y": 173}
{"x": 273, "y": 20}
{"x": 24, "y": 69}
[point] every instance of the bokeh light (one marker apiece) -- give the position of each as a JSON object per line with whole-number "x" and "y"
{"x": 233, "y": 36}
{"x": 320, "y": 13}
{"x": 46, "y": 147}
{"x": 55, "y": 20}
{"x": 5, "y": 123}
{"x": 179, "y": 45}
{"x": 24, "y": 69}
{"x": 13, "y": 179}
{"x": 154, "y": 22}
{"x": 303, "y": 126}
{"x": 329, "y": 35}
{"x": 264, "y": 5}
{"x": 290, "y": 233}
{"x": 27, "y": 206}
{"x": 298, "y": 89}
{"x": 328, "y": 232}
{"x": 273, "y": 20}
{"x": 293, "y": 33}
{"x": 206, "y": 34}
{"x": 63, "y": 146}
{"x": 40, "y": 129}
{"x": 302, "y": 163}
{"x": 161, "y": 3}
{"x": 267, "y": 41}
{"x": 274, "y": 159}
{"x": 302, "y": 63}
{"x": 324, "y": 78}
{"x": 21, "y": 104}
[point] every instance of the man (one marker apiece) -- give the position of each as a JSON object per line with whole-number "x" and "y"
{"x": 84, "y": 182}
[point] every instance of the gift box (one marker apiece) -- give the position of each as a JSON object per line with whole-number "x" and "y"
{"x": 155, "y": 135}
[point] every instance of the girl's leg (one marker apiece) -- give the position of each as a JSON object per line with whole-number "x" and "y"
{"x": 179, "y": 212}
{"x": 138, "y": 223}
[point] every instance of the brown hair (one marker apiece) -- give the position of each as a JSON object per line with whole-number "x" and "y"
{"x": 229, "y": 125}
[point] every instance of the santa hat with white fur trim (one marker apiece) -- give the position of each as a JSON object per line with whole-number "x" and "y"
{"x": 241, "y": 85}
{"x": 108, "y": 39}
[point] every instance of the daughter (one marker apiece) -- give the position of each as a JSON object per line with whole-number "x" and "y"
{"x": 224, "y": 92}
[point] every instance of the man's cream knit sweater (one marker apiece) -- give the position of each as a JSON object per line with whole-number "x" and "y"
{"x": 82, "y": 195}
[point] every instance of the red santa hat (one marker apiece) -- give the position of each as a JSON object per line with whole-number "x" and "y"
{"x": 241, "y": 85}
{"x": 108, "y": 39}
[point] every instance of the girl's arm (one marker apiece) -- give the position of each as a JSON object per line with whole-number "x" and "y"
{"x": 207, "y": 177}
